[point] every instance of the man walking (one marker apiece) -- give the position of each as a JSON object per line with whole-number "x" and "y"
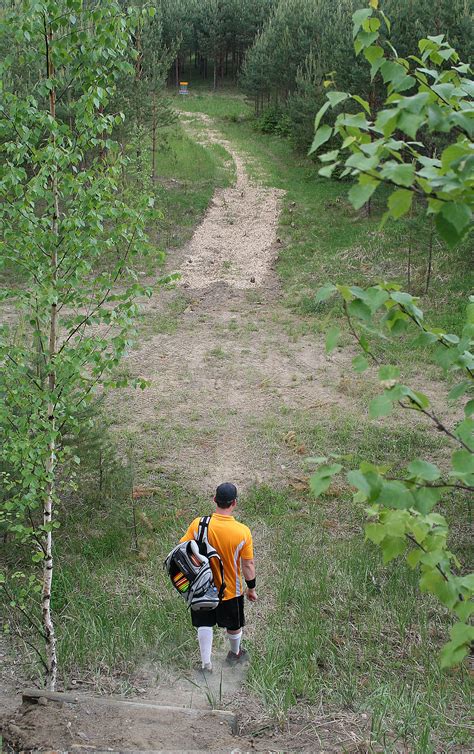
{"x": 233, "y": 542}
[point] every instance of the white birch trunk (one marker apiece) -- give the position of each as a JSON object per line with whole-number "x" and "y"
{"x": 153, "y": 146}
{"x": 50, "y": 636}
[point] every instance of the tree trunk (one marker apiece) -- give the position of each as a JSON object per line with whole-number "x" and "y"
{"x": 410, "y": 249}
{"x": 139, "y": 58}
{"x": 176, "y": 70}
{"x": 430, "y": 257}
{"x": 153, "y": 141}
{"x": 132, "y": 500}
{"x": 51, "y": 659}
{"x": 215, "y": 74}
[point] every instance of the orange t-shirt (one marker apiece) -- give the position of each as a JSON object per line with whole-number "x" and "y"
{"x": 233, "y": 541}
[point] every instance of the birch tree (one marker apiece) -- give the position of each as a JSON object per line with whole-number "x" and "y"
{"x": 427, "y": 93}
{"x": 68, "y": 238}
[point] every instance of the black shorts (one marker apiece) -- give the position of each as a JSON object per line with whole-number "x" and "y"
{"x": 229, "y": 614}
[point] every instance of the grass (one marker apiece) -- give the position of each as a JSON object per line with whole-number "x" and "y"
{"x": 325, "y": 239}
{"x": 347, "y": 633}
{"x": 355, "y": 636}
{"x": 187, "y": 174}
{"x": 113, "y": 605}
{"x": 232, "y": 108}
{"x": 338, "y": 628}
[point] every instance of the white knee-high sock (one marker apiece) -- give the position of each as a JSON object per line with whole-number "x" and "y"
{"x": 205, "y": 636}
{"x": 234, "y": 640}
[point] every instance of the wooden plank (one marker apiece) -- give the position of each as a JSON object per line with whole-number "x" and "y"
{"x": 33, "y": 695}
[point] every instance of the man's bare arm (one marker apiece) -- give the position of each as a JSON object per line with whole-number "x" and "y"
{"x": 248, "y": 568}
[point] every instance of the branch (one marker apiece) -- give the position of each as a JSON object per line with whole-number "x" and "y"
{"x": 438, "y": 423}
{"x": 443, "y": 342}
{"x": 438, "y": 567}
{"x": 35, "y": 649}
{"x": 103, "y": 299}
{"x": 441, "y": 485}
{"x": 40, "y": 388}
{"x": 24, "y": 613}
{"x": 356, "y": 336}
{"x": 35, "y": 536}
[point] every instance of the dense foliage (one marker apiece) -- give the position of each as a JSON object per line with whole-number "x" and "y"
{"x": 428, "y": 97}
{"x": 70, "y": 237}
{"x": 211, "y": 35}
{"x": 305, "y": 42}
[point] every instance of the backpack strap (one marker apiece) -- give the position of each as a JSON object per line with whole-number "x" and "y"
{"x": 207, "y": 549}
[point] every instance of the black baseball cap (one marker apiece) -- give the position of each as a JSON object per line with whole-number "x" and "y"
{"x": 226, "y": 493}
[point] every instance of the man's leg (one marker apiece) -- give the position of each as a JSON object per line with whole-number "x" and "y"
{"x": 234, "y": 640}
{"x": 204, "y": 621}
{"x": 205, "y": 636}
{"x": 234, "y": 626}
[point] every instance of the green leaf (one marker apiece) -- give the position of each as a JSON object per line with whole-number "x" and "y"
{"x": 419, "y": 469}
{"x": 465, "y": 431}
{"x": 357, "y": 308}
{"x": 399, "y": 203}
{"x": 413, "y": 557}
{"x": 392, "y": 547}
{"x": 399, "y": 172}
{"x": 458, "y": 215}
{"x": 320, "y": 114}
{"x": 395, "y": 494}
{"x": 324, "y": 293}
{"x": 392, "y": 72}
{"x": 321, "y": 136}
{"x": 395, "y": 523}
{"x": 375, "y": 298}
{"x": 388, "y": 373}
{"x": 468, "y": 582}
{"x": 463, "y": 463}
{"x": 361, "y": 162}
{"x": 362, "y": 102}
{"x": 374, "y": 55}
{"x": 328, "y": 170}
{"x": 335, "y": 98}
{"x": 469, "y": 408}
{"x": 408, "y": 122}
{"x": 459, "y": 390}
{"x": 375, "y": 532}
{"x": 332, "y": 338}
{"x": 455, "y": 650}
{"x": 358, "y": 480}
{"x": 321, "y": 479}
{"x": 447, "y": 230}
{"x": 360, "y": 364}
{"x": 380, "y": 406}
{"x": 359, "y": 195}
{"x": 451, "y": 655}
{"x": 464, "y": 610}
{"x": 426, "y": 498}
{"x": 358, "y": 19}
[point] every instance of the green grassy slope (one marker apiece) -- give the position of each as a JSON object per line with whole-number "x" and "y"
{"x": 339, "y": 630}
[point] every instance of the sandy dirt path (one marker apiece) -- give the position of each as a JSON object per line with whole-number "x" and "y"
{"x": 230, "y": 374}
{"x": 231, "y": 366}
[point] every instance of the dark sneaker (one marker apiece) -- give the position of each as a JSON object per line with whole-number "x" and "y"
{"x": 206, "y": 669}
{"x": 233, "y": 659}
